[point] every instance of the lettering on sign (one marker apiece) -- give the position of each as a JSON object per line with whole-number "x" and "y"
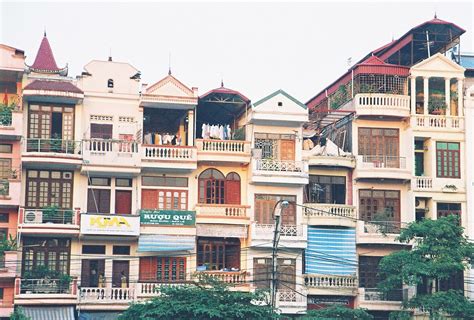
{"x": 168, "y": 217}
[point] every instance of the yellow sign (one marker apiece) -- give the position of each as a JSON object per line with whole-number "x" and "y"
{"x": 110, "y": 224}
{"x": 106, "y": 222}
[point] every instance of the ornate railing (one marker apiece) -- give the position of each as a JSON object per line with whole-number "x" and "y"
{"x": 377, "y": 162}
{"x": 328, "y": 210}
{"x": 382, "y": 227}
{"x": 106, "y": 295}
{"x": 423, "y": 183}
{"x": 382, "y": 101}
{"x": 266, "y": 230}
{"x": 45, "y": 286}
{"x": 150, "y": 289}
{"x": 152, "y": 152}
{"x": 374, "y": 294}
{"x": 223, "y": 146}
{"x": 53, "y": 145}
{"x": 280, "y": 165}
{"x": 98, "y": 146}
{"x": 330, "y": 281}
{"x": 232, "y": 277}
{"x": 439, "y": 121}
{"x": 221, "y": 210}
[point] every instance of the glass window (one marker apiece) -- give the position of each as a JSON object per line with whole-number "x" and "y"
{"x": 264, "y": 205}
{"x": 446, "y": 209}
{"x": 380, "y": 205}
{"x": 48, "y": 188}
{"x": 218, "y": 254}
{"x": 5, "y": 168}
{"x": 121, "y": 250}
{"x": 326, "y": 189}
{"x": 6, "y": 148}
{"x": 448, "y": 160}
{"x": 4, "y": 217}
{"x": 123, "y": 182}
{"x": 164, "y": 181}
{"x": 99, "y": 182}
{"x": 93, "y": 249}
{"x": 211, "y": 187}
{"x": 162, "y": 269}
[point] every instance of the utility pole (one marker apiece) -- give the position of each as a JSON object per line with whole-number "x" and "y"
{"x": 276, "y": 238}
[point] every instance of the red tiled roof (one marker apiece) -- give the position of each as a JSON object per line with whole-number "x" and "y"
{"x": 223, "y": 90}
{"x": 44, "y": 58}
{"x": 53, "y": 86}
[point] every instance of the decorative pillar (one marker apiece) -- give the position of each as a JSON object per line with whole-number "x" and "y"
{"x": 447, "y": 95}
{"x": 460, "y": 98}
{"x": 413, "y": 95}
{"x": 190, "y": 127}
{"x": 425, "y": 95}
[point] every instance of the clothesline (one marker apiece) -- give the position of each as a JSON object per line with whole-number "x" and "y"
{"x": 222, "y": 132}
{"x": 162, "y": 139}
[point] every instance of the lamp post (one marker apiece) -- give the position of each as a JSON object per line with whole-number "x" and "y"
{"x": 276, "y": 238}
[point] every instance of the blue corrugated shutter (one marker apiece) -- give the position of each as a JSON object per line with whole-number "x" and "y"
{"x": 331, "y": 250}
{"x": 49, "y": 313}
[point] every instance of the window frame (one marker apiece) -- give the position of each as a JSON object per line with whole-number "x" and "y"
{"x": 453, "y": 159}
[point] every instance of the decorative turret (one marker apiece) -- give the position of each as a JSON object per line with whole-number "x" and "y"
{"x": 45, "y": 62}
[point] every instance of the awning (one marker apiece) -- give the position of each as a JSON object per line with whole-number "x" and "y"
{"x": 49, "y": 313}
{"x": 160, "y": 242}
{"x": 221, "y": 230}
{"x": 99, "y": 315}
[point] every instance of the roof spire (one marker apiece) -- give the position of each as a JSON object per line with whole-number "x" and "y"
{"x": 44, "y": 60}
{"x": 222, "y": 82}
{"x": 435, "y": 16}
{"x": 44, "y": 31}
{"x": 169, "y": 63}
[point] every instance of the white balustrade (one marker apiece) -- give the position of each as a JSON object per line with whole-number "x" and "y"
{"x": 152, "y": 152}
{"x": 223, "y": 146}
{"x": 104, "y": 295}
{"x": 439, "y": 121}
{"x": 286, "y": 231}
{"x": 222, "y": 210}
{"x": 281, "y": 165}
{"x": 232, "y": 277}
{"x": 377, "y": 162}
{"x": 423, "y": 183}
{"x": 104, "y": 146}
{"x": 69, "y": 147}
{"x": 328, "y": 210}
{"x": 152, "y": 289}
{"x": 330, "y": 281}
{"x": 382, "y": 101}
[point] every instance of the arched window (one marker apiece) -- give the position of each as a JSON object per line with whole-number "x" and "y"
{"x": 211, "y": 187}
{"x": 232, "y": 188}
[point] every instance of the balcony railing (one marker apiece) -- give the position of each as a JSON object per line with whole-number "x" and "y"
{"x": 423, "y": 183}
{"x": 69, "y": 147}
{"x": 108, "y": 145}
{"x": 221, "y": 210}
{"x": 374, "y": 294}
{"x": 286, "y": 231}
{"x": 49, "y": 216}
{"x": 383, "y": 227}
{"x": 223, "y": 146}
{"x": 6, "y": 119}
{"x": 179, "y": 153}
{"x": 152, "y": 289}
{"x": 328, "y": 210}
{"x": 231, "y": 277}
{"x": 280, "y": 165}
{"x": 330, "y": 281}
{"x": 439, "y": 122}
{"x": 46, "y": 286}
{"x": 104, "y": 295}
{"x": 290, "y": 297}
{"x": 380, "y": 162}
{"x": 382, "y": 104}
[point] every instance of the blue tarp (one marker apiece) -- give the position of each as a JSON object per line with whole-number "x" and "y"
{"x": 158, "y": 243}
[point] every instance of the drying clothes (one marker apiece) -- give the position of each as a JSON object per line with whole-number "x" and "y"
{"x": 158, "y": 139}
{"x": 147, "y": 139}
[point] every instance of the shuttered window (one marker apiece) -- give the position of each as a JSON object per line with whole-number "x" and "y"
{"x": 164, "y": 199}
{"x": 448, "y": 160}
{"x": 286, "y": 273}
{"x": 49, "y": 188}
{"x": 264, "y": 205}
{"x": 101, "y": 131}
{"x": 162, "y": 269}
{"x": 378, "y": 142}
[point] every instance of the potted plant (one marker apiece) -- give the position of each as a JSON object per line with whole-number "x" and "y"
{"x": 50, "y": 214}
{"x": 68, "y": 216}
{"x": 4, "y": 187}
{"x": 6, "y": 114}
{"x": 437, "y": 106}
{"x": 64, "y": 282}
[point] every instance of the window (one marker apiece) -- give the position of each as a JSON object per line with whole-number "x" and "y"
{"x": 110, "y": 83}
{"x": 93, "y": 249}
{"x": 121, "y": 250}
{"x": 98, "y": 200}
{"x": 368, "y": 270}
{"x": 446, "y": 209}
{"x": 3, "y": 233}
{"x": 162, "y": 269}
{"x": 326, "y": 189}
{"x": 280, "y": 104}
{"x": 102, "y": 182}
{"x": 380, "y": 146}
{"x": 381, "y": 205}
{"x": 447, "y": 160}
{"x": 165, "y": 199}
{"x": 232, "y": 188}
{"x": 6, "y": 148}
{"x": 286, "y": 273}
{"x": 164, "y": 181}
{"x": 51, "y": 252}
{"x": 211, "y": 187}
{"x": 123, "y": 182}
{"x": 276, "y": 146}
{"x": 49, "y": 188}
{"x": 1, "y": 293}
{"x": 218, "y": 254}
{"x": 46, "y": 122}
{"x": 264, "y": 205}
{"x": 4, "y": 217}
{"x": 5, "y": 168}
{"x": 101, "y": 131}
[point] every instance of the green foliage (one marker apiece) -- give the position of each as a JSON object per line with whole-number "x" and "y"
{"x": 6, "y": 114}
{"x": 400, "y": 315}
{"x": 8, "y": 244}
{"x": 440, "y": 251}
{"x": 4, "y": 187}
{"x": 19, "y": 315}
{"x": 340, "y": 97}
{"x": 206, "y": 300}
{"x": 337, "y": 312}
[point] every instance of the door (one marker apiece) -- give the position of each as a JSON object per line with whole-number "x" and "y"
{"x": 149, "y": 199}
{"x": 120, "y": 273}
{"x": 92, "y": 270}
{"x": 123, "y": 201}
{"x": 232, "y": 188}
{"x": 419, "y": 164}
{"x": 287, "y": 150}
{"x": 98, "y": 201}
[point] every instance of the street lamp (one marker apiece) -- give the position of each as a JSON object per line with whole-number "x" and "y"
{"x": 276, "y": 238}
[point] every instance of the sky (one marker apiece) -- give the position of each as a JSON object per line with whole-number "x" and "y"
{"x": 256, "y": 48}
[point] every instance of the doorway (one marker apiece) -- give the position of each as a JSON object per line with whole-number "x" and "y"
{"x": 120, "y": 273}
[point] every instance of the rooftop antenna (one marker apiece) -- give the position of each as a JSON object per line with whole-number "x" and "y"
{"x": 169, "y": 63}
{"x": 45, "y": 31}
{"x": 222, "y": 80}
{"x": 349, "y": 61}
{"x": 110, "y": 54}
{"x": 435, "y": 16}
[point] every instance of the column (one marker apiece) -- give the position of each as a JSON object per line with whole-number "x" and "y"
{"x": 413, "y": 94}
{"x": 460, "y": 98}
{"x": 425, "y": 95}
{"x": 190, "y": 127}
{"x": 447, "y": 95}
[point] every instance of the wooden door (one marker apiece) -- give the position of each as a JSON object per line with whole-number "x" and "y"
{"x": 232, "y": 192}
{"x": 120, "y": 273}
{"x": 287, "y": 150}
{"x": 123, "y": 201}
{"x": 148, "y": 268}
{"x": 288, "y": 215}
{"x": 92, "y": 269}
{"x": 149, "y": 199}
{"x": 263, "y": 211}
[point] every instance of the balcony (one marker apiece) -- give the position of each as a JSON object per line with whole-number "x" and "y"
{"x": 49, "y": 221}
{"x": 382, "y": 105}
{"x": 268, "y": 171}
{"x": 319, "y": 284}
{"x": 225, "y": 151}
{"x": 327, "y": 214}
{"x": 234, "y": 278}
{"x": 52, "y": 153}
{"x": 291, "y": 236}
{"x": 222, "y": 213}
{"x": 291, "y": 301}
{"x": 344, "y": 161}
{"x": 152, "y": 289}
{"x": 111, "y": 156}
{"x": 374, "y": 299}
{"x": 382, "y": 167}
{"x": 422, "y": 183}
{"x": 11, "y": 125}
{"x": 118, "y": 297}
{"x": 169, "y": 157}
{"x": 437, "y": 123}
{"x": 379, "y": 232}
{"x": 45, "y": 291}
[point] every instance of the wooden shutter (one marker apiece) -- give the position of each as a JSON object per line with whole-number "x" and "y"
{"x": 123, "y": 201}
{"x": 262, "y": 272}
{"x": 263, "y": 211}
{"x": 85, "y": 269}
{"x": 287, "y": 148}
{"x": 149, "y": 199}
{"x": 147, "y": 268}
{"x": 288, "y": 215}
{"x": 101, "y": 131}
{"x": 232, "y": 192}
{"x": 286, "y": 274}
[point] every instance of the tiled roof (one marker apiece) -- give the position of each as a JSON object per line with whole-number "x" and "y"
{"x": 53, "y": 86}
{"x": 44, "y": 58}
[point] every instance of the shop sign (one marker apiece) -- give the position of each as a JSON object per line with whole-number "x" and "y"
{"x": 110, "y": 224}
{"x": 168, "y": 217}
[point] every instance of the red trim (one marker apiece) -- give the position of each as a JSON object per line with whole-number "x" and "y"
{"x": 223, "y": 90}
{"x": 396, "y": 46}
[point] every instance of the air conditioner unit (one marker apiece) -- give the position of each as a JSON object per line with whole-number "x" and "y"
{"x": 420, "y": 204}
{"x": 32, "y": 216}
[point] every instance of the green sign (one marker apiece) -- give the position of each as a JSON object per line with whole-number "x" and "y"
{"x": 168, "y": 217}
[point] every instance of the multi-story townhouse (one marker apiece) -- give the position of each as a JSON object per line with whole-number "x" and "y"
{"x": 48, "y": 221}
{"x": 397, "y": 112}
{"x": 11, "y": 70}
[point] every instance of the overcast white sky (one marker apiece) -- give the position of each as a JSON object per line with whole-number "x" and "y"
{"x": 257, "y": 47}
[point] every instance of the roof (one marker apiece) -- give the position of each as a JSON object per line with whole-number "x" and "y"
{"x": 467, "y": 60}
{"x": 47, "y": 85}
{"x": 280, "y": 91}
{"x": 17, "y": 51}
{"x": 226, "y": 91}
{"x": 44, "y": 61}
